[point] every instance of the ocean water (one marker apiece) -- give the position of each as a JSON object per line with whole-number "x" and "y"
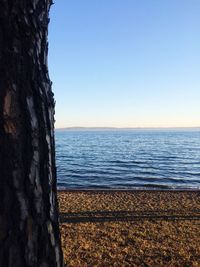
{"x": 128, "y": 159}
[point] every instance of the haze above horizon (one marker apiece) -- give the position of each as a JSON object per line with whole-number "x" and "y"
{"x": 125, "y": 64}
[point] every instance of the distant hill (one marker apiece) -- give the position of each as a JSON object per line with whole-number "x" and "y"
{"x": 127, "y": 129}
{"x": 88, "y": 129}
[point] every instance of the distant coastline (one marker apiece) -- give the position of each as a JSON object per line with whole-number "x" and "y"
{"x": 128, "y": 129}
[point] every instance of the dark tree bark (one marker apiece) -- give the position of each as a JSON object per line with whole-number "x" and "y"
{"x": 29, "y": 230}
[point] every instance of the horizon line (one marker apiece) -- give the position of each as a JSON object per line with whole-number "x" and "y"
{"x": 134, "y": 128}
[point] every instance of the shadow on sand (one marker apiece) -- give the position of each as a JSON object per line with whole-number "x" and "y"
{"x": 112, "y": 216}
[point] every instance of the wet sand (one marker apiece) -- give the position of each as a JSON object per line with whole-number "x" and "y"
{"x": 130, "y": 228}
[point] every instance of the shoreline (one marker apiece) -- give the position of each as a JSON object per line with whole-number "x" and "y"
{"x": 127, "y": 190}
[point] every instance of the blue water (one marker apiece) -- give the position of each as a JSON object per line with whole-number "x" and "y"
{"x": 128, "y": 159}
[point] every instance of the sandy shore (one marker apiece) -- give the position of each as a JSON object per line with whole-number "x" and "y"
{"x": 130, "y": 228}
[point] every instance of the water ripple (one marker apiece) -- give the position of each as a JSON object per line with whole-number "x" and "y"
{"x": 128, "y": 159}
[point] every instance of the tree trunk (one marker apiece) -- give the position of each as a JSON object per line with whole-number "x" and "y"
{"x": 29, "y": 230}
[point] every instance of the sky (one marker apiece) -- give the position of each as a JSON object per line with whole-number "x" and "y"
{"x": 125, "y": 63}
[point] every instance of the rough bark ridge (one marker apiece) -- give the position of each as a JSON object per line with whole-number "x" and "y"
{"x": 29, "y": 230}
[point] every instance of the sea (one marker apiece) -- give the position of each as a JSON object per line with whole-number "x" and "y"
{"x": 128, "y": 159}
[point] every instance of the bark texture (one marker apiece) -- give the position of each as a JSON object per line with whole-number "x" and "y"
{"x": 29, "y": 230}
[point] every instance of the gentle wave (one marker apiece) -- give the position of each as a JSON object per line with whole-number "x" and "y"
{"x": 128, "y": 159}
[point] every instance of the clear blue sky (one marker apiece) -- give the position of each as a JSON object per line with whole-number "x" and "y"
{"x": 125, "y": 63}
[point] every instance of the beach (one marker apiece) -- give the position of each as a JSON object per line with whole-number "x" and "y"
{"x": 130, "y": 228}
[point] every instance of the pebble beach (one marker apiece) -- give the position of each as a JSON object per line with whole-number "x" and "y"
{"x": 130, "y": 228}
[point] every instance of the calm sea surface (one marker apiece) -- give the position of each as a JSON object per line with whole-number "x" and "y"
{"x": 128, "y": 159}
